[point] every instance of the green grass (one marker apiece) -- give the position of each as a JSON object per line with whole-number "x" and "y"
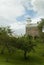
{"x": 35, "y": 58}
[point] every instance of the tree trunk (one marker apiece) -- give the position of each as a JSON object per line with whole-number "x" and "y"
{"x": 2, "y": 51}
{"x": 25, "y": 54}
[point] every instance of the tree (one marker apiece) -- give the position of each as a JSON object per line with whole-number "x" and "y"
{"x": 25, "y": 43}
{"x": 8, "y": 41}
{"x": 41, "y": 28}
{"x": 4, "y": 38}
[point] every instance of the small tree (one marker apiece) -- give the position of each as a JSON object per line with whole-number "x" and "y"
{"x": 5, "y": 38}
{"x": 25, "y": 43}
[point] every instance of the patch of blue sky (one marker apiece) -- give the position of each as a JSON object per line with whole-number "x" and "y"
{"x": 21, "y": 18}
{"x": 29, "y": 13}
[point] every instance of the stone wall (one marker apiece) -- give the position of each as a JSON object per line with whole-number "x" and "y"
{"x": 32, "y": 31}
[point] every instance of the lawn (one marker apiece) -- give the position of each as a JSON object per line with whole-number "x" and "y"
{"x": 34, "y": 58}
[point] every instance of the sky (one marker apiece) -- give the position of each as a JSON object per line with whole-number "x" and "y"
{"x": 14, "y": 13}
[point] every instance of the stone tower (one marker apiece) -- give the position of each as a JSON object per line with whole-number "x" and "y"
{"x": 31, "y": 28}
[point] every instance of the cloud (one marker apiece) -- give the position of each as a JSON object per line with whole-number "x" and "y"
{"x": 11, "y": 8}
{"x": 38, "y": 5}
{"x": 27, "y": 4}
{"x": 18, "y": 27}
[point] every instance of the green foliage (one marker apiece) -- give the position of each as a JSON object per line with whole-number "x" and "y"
{"x": 41, "y": 27}
{"x": 4, "y": 38}
{"x": 25, "y": 43}
{"x": 8, "y": 41}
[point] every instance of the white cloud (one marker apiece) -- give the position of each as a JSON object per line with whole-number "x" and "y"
{"x": 18, "y": 27}
{"x": 28, "y": 4}
{"x": 11, "y": 8}
{"x": 35, "y": 20}
{"x": 38, "y": 6}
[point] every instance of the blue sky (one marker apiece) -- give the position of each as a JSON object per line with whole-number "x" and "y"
{"x": 29, "y": 13}
{"x": 15, "y": 12}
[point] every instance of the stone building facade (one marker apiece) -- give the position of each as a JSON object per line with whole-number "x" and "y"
{"x": 32, "y": 29}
